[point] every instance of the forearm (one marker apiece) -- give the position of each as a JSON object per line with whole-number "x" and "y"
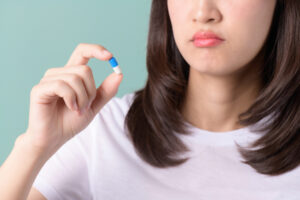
{"x": 19, "y": 171}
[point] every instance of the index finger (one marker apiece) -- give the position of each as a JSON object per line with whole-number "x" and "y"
{"x": 84, "y": 52}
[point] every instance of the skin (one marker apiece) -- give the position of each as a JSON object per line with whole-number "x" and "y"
{"x": 223, "y": 80}
{"x": 62, "y": 104}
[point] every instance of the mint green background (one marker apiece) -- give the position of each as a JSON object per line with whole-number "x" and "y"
{"x": 37, "y": 35}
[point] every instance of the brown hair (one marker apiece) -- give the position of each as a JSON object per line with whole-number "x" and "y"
{"x": 154, "y": 115}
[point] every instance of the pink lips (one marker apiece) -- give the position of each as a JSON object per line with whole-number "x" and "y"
{"x": 206, "y": 39}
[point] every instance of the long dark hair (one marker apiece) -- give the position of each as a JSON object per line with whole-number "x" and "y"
{"x": 155, "y": 114}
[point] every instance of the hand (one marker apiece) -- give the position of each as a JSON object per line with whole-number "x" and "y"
{"x": 53, "y": 115}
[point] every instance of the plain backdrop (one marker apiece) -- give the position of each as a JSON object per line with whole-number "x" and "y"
{"x": 37, "y": 35}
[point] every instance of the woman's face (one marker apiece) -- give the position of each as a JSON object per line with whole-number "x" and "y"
{"x": 243, "y": 24}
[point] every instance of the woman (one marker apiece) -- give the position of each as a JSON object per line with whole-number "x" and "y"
{"x": 223, "y": 87}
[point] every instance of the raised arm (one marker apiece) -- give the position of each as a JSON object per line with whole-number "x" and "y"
{"x": 61, "y": 105}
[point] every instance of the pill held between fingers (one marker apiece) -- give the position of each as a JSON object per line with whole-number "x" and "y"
{"x": 114, "y": 64}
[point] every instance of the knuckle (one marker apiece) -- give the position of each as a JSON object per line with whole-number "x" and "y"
{"x": 75, "y": 78}
{"x": 86, "y": 70}
{"x": 33, "y": 90}
{"x": 52, "y": 71}
{"x": 59, "y": 84}
{"x": 42, "y": 79}
{"x": 48, "y": 72}
{"x": 82, "y": 46}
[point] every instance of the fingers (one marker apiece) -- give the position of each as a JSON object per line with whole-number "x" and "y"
{"x": 106, "y": 91}
{"x": 72, "y": 75}
{"x": 83, "y": 52}
{"x": 53, "y": 89}
{"x": 61, "y": 86}
{"x": 76, "y": 83}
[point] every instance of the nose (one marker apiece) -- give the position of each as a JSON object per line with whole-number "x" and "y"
{"x": 206, "y": 11}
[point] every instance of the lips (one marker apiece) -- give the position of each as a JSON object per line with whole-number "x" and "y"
{"x": 206, "y": 35}
{"x": 206, "y": 39}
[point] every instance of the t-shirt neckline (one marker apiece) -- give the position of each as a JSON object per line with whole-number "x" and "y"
{"x": 195, "y": 129}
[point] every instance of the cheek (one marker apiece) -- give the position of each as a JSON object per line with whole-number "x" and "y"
{"x": 250, "y": 21}
{"x": 179, "y": 16}
{"x": 247, "y": 25}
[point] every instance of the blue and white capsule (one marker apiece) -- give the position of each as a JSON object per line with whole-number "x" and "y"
{"x": 114, "y": 64}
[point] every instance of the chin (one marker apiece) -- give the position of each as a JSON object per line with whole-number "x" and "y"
{"x": 212, "y": 70}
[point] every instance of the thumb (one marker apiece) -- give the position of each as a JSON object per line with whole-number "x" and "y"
{"x": 107, "y": 90}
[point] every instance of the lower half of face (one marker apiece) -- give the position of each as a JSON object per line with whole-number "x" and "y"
{"x": 243, "y": 24}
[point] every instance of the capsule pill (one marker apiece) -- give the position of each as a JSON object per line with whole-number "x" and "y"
{"x": 114, "y": 64}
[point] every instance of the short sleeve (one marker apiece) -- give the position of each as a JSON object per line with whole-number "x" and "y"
{"x": 65, "y": 175}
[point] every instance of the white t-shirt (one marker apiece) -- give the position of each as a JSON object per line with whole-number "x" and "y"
{"x": 100, "y": 163}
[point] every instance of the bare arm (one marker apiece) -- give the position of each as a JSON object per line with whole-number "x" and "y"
{"x": 61, "y": 105}
{"x": 20, "y": 169}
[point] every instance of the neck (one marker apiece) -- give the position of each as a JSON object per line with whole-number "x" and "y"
{"x": 214, "y": 103}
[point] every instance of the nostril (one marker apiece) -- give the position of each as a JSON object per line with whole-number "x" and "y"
{"x": 211, "y": 20}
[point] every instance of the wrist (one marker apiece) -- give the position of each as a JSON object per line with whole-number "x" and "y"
{"x": 25, "y": 143}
